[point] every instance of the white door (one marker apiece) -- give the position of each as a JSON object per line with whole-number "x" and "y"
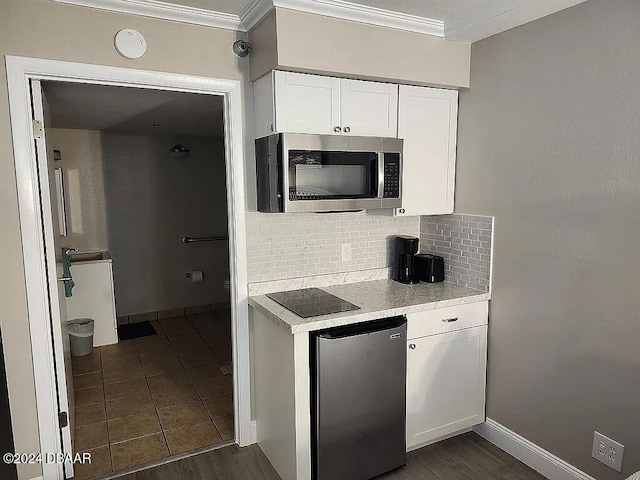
{"x": 428, "y": 122}
{"x": 306, "y": 103}
{"x": 445, "y": 383}
{"x": 368, "y": 108}
{"x": 53, "y": 260}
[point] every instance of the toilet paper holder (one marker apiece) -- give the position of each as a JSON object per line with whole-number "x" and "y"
{"x": 196, "y": 276}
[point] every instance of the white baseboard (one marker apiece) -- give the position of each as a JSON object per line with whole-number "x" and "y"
{"x": 37, "y": 478}
{"x": 529, "y": 453}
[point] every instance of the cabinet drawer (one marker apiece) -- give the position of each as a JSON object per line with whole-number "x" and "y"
{"x": 447, "y": 319}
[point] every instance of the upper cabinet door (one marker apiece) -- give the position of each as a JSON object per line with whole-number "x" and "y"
{"x": 428, "y": 122}
{"x": 368, "y": 108}
{"x": 306, "y": 103}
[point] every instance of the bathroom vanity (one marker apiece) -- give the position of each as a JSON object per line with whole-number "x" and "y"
{"x": 93, "y": 294}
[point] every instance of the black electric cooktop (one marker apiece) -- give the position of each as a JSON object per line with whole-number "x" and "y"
{"x": 311, "y": 302}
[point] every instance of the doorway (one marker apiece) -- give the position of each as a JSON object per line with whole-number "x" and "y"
{"x": 47, "y": 336}
{"x": 139, "y": 207}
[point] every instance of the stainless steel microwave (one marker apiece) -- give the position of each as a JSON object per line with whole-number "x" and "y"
{"x": 325, "y": 173}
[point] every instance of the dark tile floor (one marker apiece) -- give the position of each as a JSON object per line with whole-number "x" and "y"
{"x": 145, "y": 399}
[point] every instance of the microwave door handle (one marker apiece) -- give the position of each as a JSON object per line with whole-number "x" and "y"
{"x": 380, "y": 175}
{"x": 283, "y": 151}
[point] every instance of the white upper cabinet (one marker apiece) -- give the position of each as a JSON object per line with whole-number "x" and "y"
{"x": 425, "y": 118}
{"x": 301, "y": 103}
{"x": 368, "y": 108}
{"x": 306, "y": 103}
{"x": 427, "y": 121}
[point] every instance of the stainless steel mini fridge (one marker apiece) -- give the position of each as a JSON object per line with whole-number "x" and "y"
{"x": 358, "y": 395}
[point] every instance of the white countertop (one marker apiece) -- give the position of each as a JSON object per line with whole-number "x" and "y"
{"x": 89, "y": 257}
{"x": 376, "y": 299}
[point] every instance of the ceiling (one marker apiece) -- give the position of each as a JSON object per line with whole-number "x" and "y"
{"x": 462, "y": 20}
{"x": 434, "y": 9}
{"x": 133, "y": 110}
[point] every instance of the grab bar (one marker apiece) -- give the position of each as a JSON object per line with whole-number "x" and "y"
{"x": 203, "y": 239}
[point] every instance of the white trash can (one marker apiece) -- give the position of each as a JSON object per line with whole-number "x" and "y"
{"x": 81, "y": 336}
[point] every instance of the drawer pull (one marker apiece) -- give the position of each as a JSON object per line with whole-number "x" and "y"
{"x": 449, "y": 320}
{"x": 412, "y": 346}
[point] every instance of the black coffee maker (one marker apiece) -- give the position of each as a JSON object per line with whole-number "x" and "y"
{"x": 406, "y": 249}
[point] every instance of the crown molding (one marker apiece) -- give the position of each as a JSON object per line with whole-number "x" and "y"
{"x": 365, "y": 14}
{"x": 501, "y": 15}
{"x": 495, "y": 17}
{"x": 257, "y": 9}
{"x": 165, "y": 11}
{"x": 253, "y": 12}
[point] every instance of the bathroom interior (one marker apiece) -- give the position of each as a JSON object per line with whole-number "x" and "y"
{"x": 141, "y": 209}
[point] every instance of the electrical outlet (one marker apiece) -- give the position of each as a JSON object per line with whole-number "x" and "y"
{"x": 607, "y": 451}
{"x": 346, "y": 252}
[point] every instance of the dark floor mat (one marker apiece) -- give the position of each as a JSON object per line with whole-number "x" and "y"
{"x": 135, "y": 330}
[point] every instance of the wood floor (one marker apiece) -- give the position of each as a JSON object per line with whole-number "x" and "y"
{"x": 466, "y": 457}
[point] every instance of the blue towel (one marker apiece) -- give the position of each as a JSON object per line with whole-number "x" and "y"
{"x": 66, "y": 272}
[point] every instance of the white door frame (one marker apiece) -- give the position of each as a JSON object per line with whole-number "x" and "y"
{"x": 20, "y": 70}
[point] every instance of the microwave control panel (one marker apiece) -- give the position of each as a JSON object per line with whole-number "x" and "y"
{"x": 392, "y": 175}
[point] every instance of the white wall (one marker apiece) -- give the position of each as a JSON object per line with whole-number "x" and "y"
{"x": 81, "y": 163}
{"x": 153, "y": 200}
{"x": 548, "y": 143}
{"x": 291, "y": 245}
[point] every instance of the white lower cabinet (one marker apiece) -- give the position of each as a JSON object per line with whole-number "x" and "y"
{"x": 93, "y": 297}
{"x": 446, "y": 373}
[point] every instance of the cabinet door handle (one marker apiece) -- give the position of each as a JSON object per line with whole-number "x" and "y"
{"x": 65, "y": 279}
{"x": 337, "y": 129}
{"x": 412, "y": 346}
{"x": 347, "y": 129}
{"x": 449, "y": 320}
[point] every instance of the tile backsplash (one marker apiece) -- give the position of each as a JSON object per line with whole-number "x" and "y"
{"x": 281, "y": 246}
{"x": 465, "y": 243}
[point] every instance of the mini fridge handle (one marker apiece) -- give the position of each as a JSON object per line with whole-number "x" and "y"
{"x": 361, "y": 328}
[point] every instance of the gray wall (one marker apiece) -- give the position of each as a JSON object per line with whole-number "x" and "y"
{"x": 464, "y": 241}
{"x": 152, "y": 201}
{"x": 549, "y": 144}
{"x": 299, "y": 42}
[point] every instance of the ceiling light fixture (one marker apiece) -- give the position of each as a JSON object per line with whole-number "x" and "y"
{"x": 179, "y": 150}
